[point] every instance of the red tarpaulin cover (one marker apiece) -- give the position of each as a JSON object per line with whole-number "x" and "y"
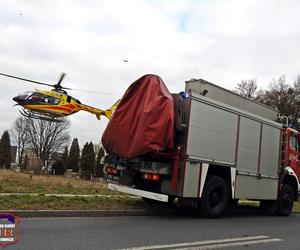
{"x": 144, "y": 120}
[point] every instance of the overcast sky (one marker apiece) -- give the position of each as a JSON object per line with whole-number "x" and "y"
{"x": 217, "y": 40}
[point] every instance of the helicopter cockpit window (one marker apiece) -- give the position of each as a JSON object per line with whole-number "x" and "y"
{"x": 35, "y": 97}
{"x": 54, "y": 100}
{"x": 50, "y": 100}
{"x": 24, "y": 95}
{"x": 40, "y": 98}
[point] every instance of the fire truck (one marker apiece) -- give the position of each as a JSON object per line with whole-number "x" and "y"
{"x": 206, "y": 146}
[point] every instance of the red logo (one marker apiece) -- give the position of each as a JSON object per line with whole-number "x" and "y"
{"x": 9, "y": 230}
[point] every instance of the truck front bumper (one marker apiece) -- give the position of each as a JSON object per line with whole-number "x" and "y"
{"x": 138, "y": 192}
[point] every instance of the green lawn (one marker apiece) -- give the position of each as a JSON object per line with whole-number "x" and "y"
{"x": 28, "y": 202}
{"x": 256, "y": 204}
{"x": 12, "y": 182}
{"x": 297, "y": 206}
{"x": 41, "y": 202}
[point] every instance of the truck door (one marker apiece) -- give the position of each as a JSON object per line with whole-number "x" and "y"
{"x": 293, "y": 153}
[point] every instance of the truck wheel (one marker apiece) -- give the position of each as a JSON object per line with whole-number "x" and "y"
{"x": 285, "y": 201}
{"x": 214, "y": 198}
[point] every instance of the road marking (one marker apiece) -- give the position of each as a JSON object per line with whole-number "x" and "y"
{"x": 211, "y": 244}
{"x": 233, "y": 244}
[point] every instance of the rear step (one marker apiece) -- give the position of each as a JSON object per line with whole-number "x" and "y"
{"x": 137, "y": 192}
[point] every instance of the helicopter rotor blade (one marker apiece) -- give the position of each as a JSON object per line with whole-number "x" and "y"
{"x": 62, "y": 76}
{"x": 95, "y": 92}
{"x": 65, "y": 88}
{"x": 27, "y": 80}
{"x": 58, "y": 85}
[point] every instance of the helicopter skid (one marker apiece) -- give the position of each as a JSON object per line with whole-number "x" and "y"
{"x": 41, "y": 116}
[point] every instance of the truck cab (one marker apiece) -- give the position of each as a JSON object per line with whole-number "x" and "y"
{"x": 292, "y": 150}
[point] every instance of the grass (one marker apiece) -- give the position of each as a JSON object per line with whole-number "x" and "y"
{"x": 13, "y": 182}
{"x": 296, "y": 206}
{"x": 70, "y": 203}
{"x": 42, "y": 202}
{"x": 249, "y": 203}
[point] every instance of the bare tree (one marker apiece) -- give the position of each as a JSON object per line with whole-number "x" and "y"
{"x": 20, "y": 137}
{"x": 276, "y": 95}
{"x": 47, "y": 137}
{"x": 296, "y": 97}
{"x": 247, "y": 88}
{"x": 285, "y": 98}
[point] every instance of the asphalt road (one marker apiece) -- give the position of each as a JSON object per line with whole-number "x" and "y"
{"x": 234, "y": 231}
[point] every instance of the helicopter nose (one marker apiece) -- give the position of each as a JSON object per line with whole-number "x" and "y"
{"x": 17, "y": 99}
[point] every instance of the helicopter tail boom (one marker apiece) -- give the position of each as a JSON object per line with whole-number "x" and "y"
{"x": 98, "y": 112}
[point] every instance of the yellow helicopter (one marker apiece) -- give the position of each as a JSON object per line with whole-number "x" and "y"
{"x": 54, "y": 105}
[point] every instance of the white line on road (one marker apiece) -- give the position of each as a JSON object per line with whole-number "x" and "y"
{"x": 209, "y": 244}
{"x": 232, "y": 244}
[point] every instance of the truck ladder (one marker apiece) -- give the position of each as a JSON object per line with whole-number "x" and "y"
{"x": 283, "y": 148}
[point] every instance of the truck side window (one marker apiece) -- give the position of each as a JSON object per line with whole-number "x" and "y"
{"x": 294, "y": 142}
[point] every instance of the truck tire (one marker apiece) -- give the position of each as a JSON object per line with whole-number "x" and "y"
{"x": 214, "y": 197}
{"x": 285, "y": 201}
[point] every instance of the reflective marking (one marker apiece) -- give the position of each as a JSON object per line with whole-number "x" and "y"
{"x": 138, "y": 192}
{"x": 211, "y": 244}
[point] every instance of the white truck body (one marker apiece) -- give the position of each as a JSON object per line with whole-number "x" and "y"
{"x": 223, "y": 135}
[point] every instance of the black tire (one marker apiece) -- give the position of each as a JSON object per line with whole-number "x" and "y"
{"x": 214, "y": 197}
{"x": 285, "y": 201}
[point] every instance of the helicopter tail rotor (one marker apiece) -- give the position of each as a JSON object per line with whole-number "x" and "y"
{"x": 109, "y": 112}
